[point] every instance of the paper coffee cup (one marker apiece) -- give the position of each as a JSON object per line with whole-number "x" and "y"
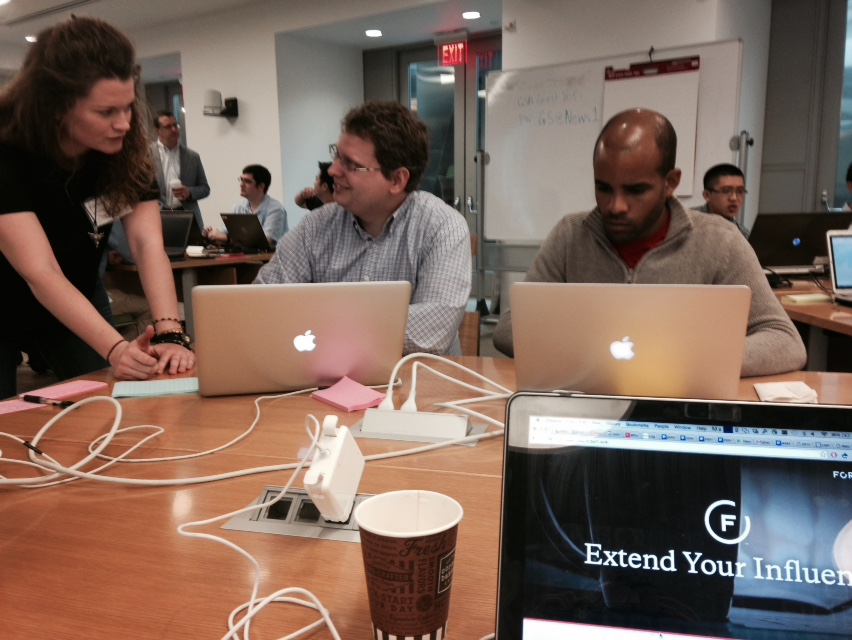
{"x": 174, "y": 184}
{"x": 408, "y": 541}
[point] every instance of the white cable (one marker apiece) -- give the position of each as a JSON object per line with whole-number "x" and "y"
{"x": 431, "y": 356}
{"x": 255, "y": 605}
{"x": 60, "y": 473}
{"x": 199, "y": 454}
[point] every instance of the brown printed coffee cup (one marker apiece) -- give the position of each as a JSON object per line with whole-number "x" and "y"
{"x": 408, "y": 542}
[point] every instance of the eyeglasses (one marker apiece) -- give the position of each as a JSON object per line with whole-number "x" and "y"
{"x": 730, "y": 191}
{"x": 174, "y": 125}
{"x": 346, "y": 164}
{"x": 242, "y": 180}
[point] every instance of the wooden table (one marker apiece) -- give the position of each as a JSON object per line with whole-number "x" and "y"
{"x": 827, "y": 327}
{"x": 97, "y": 561}
{"x": 225, "y": 269}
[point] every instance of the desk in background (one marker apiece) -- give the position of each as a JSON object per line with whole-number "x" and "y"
{"x": 236, "y": 269}
{"x": 826, "y": 327}
{"x": 97, "y": 561}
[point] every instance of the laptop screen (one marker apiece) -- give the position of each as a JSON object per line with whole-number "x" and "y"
{"x": 176, "y": 227}
{"x": 794, "y": 239}
{"x": 627, "y": 517}
{"x": 840, "y": 245}
{"x": 245, "y": 232}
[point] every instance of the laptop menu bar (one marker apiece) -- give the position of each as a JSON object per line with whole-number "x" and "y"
{"x": 552, "y": 431}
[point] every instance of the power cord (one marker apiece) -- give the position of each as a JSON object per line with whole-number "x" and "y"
{"x": 255, "y": 605}
{"x": 40, "y": 460}
{"x": 58, "y": 473}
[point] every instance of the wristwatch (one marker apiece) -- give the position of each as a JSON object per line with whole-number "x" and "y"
{"x": 173, "y": 337}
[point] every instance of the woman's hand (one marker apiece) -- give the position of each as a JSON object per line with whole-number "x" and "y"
{"x": 175, "y": 358}
{"x": 134, "y": 360}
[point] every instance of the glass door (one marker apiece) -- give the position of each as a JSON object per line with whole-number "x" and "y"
{"x": 451, "y": 101}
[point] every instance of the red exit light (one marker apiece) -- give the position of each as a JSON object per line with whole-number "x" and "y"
{"x": 449, "y": 55}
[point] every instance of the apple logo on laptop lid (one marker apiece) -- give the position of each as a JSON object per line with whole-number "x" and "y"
{"x": 305, "y": 341}
{"x": 622, "y": 349}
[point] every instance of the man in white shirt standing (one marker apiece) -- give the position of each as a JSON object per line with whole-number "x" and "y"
{"x": 254, "y": 184}
{"x": 180, "y": 175}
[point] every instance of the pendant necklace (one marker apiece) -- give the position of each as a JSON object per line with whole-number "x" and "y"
{"x": 92, "y": 218}
{"x": 95, "y": 234}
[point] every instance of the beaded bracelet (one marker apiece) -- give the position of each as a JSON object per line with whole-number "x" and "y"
{"x": 166, "y": 320}
{"x": 109, "y": 353}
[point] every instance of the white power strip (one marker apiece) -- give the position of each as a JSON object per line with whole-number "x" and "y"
{"x": 425, "y": 426}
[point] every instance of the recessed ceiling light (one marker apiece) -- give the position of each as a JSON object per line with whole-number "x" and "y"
{"x": 373, "y": 33}
{"x": 471, "y": 15}
{"x": 30, "y": 38}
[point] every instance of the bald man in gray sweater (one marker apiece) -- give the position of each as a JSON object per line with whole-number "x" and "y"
{"x": 640, "y": 233}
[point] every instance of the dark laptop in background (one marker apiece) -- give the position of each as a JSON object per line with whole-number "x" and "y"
{"x": 245, "y": 233}
{"x": 176, "y": 227}
{"x": 196, "y": 237}
{"x": 638, "y": 518}
{"x": 794, "y": 243}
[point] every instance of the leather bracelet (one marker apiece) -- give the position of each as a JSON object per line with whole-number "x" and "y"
{"x": 112, "y": 348}
{"x": 173, "y": 337}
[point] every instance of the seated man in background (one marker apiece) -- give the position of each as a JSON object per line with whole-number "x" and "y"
{"x": 640, "y": 233}
{"x": 724, "y": 193}
{"x": 321, "y": 193}
{"x": 254, "y": 185}
{"x": 380, "y": 228}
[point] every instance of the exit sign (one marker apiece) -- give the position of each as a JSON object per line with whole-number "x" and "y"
{"x": 449, "y": 55}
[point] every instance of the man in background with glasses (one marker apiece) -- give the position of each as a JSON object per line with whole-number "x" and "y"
{"x": 254, "y": 185}
{"x": 724, "y": 193}
{"x": 379, "y": 227}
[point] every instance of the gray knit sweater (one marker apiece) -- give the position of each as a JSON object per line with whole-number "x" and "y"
{"x": 698, "y": 249}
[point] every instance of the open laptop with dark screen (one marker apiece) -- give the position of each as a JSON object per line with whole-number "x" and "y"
{"x": 794, "y": 243}
{"x": 641, "y": 518}
{"x": 176, "y": 228}
{"x": 245, "y": 233}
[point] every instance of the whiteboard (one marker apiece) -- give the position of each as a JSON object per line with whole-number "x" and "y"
{"x": 541, "y": 125}
{"x": 673, "y": 94}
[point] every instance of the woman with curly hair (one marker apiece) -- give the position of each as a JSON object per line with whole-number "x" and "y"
{"x": 74, "y": 157}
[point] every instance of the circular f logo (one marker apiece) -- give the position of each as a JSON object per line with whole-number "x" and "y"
{"x": 726, "y": 523}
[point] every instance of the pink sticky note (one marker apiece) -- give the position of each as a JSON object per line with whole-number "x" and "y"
{"x": 348, "y": 395}
{"x": 54, "y": 392}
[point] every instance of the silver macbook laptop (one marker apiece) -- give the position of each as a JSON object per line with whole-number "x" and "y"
{"x": 683, "y": 341}
{"x": 637, "y": 518}
{"x": 275, "y": 338}
{"x": 840, "y": 263}
{"x": 176, "y": 228}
